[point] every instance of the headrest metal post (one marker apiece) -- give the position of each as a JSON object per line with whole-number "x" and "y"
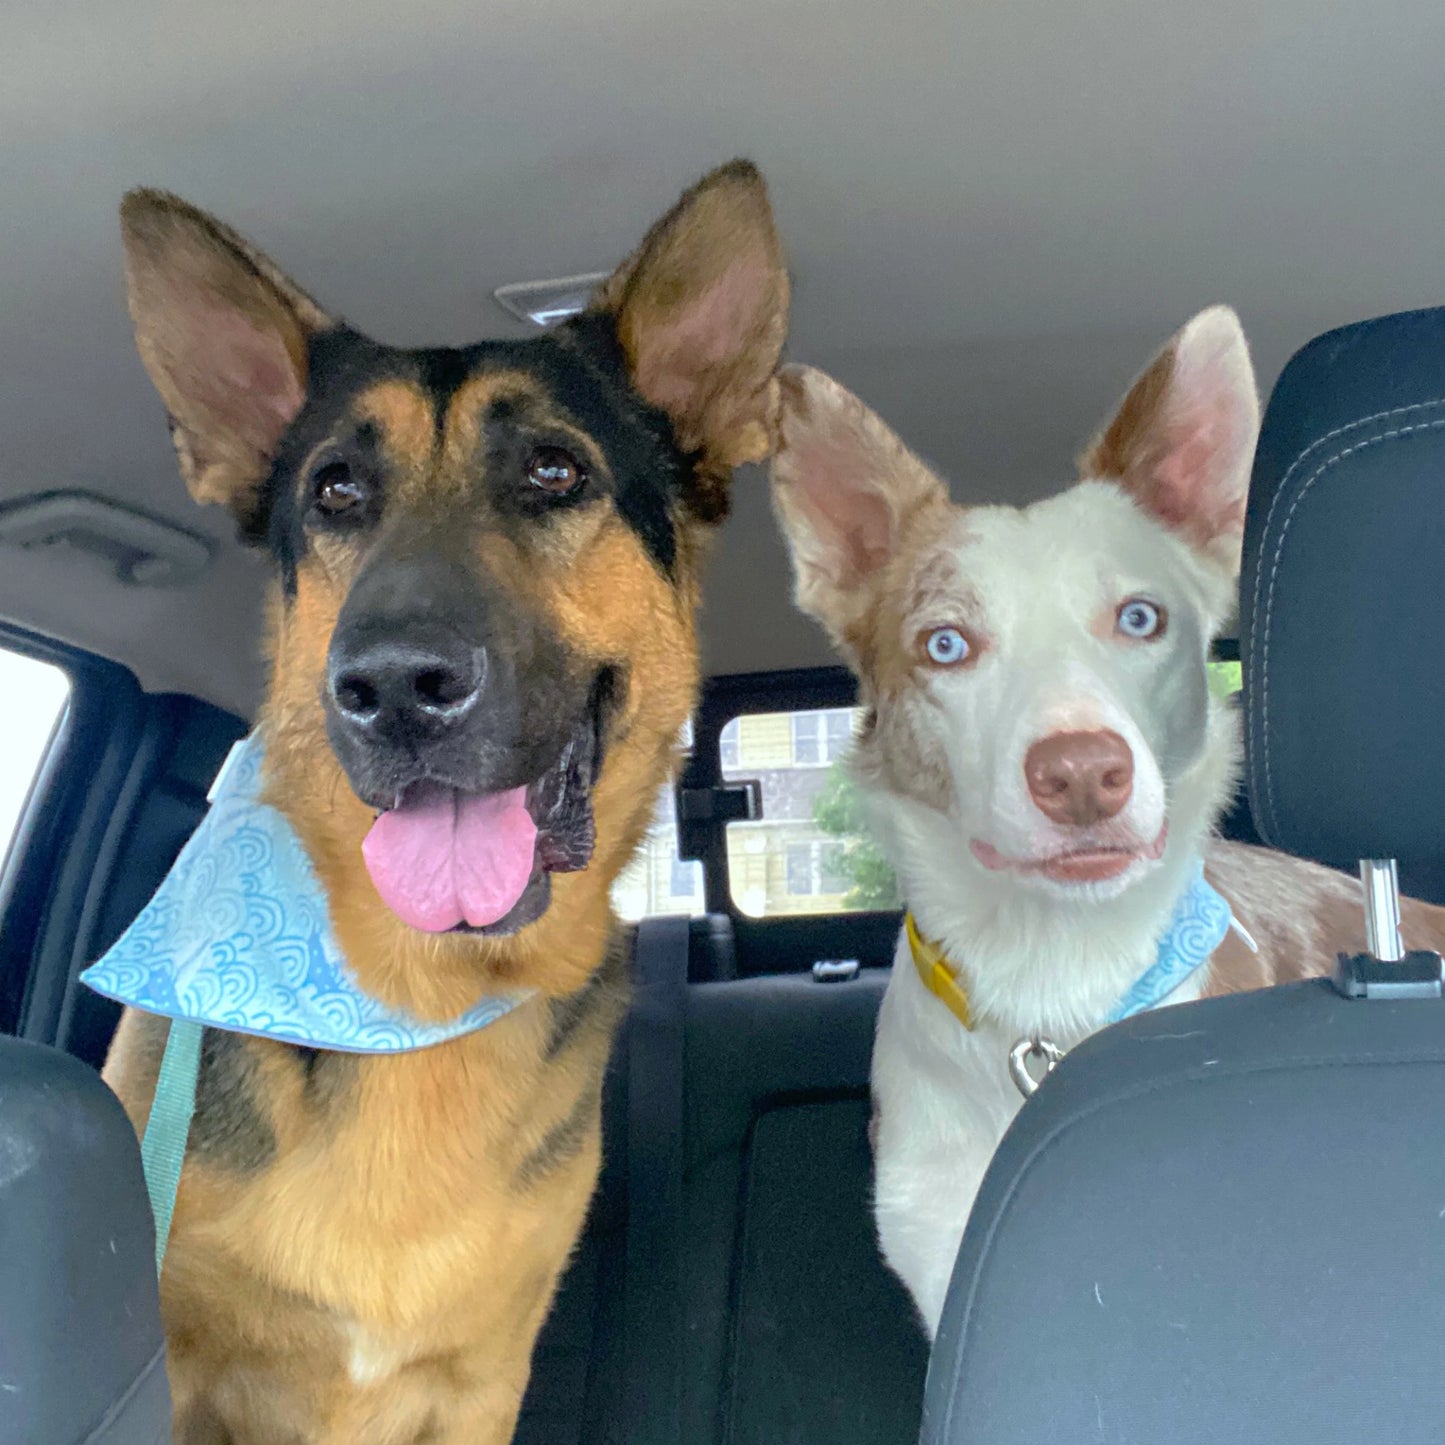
{"x": 1381, "y": 884}
{"x": 1385, "y": 970}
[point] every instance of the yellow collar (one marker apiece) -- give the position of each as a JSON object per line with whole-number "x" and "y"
{"x": 938, "y": 978}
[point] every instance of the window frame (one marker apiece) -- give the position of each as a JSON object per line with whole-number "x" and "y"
{"x": 48, "y": 765}
{"x": 121, "y": 754}
{"x": 42, "y": 854}
{"x": 782, "y": 943}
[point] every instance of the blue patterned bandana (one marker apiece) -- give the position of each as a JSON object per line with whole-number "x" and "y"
{"x": 238, "y": 936}
{"x": 1201, "y": 920}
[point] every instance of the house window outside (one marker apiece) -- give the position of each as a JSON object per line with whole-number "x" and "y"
{"x": 809, "y": 851}
{"x": 657, "y": 881}
{"x": 821, "y": 738}
{"x": 728, "y": 742}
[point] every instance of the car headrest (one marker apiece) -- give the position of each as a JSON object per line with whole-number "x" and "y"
{"x": 1342, "y": 602}
{"x": 1213, "y": 1222}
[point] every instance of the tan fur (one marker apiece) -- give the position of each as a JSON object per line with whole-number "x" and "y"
{"x": 843, "y": 584}
{"x": 265, "y": 1282}
{"x": 382, "y": 1278}
{"x": 452, "y": 1280}
{"x": 402, "y": 415}
{"x": 1300, "y": 914}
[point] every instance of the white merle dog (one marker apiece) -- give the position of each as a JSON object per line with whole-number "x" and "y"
{"x": 1042, "y": 757}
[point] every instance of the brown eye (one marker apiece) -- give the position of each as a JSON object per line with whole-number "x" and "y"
{"x": 336, "y": 490}
{"x": 555, "y": 471}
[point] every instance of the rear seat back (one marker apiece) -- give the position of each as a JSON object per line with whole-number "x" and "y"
{"x": 794, "y": 1332}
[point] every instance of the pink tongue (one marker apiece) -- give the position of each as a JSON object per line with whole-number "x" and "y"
{"x": 449, "y": 858}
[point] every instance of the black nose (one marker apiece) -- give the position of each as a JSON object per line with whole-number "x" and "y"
{"x": 402, "y": 686}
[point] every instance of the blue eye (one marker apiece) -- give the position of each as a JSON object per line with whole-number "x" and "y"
{"x": 946, "y": 646}
{"x": 1139, "y": 619}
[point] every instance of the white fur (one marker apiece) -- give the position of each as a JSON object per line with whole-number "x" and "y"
{"x": 1036, "y": 956}
{"x": 1037, "y": 590}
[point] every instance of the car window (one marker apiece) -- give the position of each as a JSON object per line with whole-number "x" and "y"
{"x": 1225, "y": 678}
{"x": 33, "y": 695}
{"x": 810, "y": 851}
{"x": 657, "y": 881}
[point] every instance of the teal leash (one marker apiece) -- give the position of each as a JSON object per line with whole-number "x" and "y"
{"x": 163, "y": 1147}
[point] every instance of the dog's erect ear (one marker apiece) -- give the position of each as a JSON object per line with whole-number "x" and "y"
{"x": 224, "y": 336}
{"x": 1183, "y": 441}
{"x": 701, "y": 309}
{"x": 844, "y": 487}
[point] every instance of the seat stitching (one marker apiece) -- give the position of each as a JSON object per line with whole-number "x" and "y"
{"x": 1263, "y": 738}
{"x": 1320, "y": 441}
{"x": 1294, "y": 466}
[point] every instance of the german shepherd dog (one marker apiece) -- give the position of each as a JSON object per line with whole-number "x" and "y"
{"x": 486, "y": 574}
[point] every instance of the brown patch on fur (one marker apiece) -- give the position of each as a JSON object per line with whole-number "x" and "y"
{"x": 1181, "y": 442}
{"x": 1300, "y": 914}
{"x": 898, "y": 755}
{"x": 921, "y": 587}
{"x": 852, "y": 500}
{"x": 1116, "y": 450}
{"x": 872, "y": 534}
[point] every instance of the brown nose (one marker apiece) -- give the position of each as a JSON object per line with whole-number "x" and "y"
{"x": 1080, "y": 778}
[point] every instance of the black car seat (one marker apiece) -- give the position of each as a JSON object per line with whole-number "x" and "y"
{"x": 81, "y": 1351}
{"x": 1222, "y": 1221}
{"x": 738, "y": 1299}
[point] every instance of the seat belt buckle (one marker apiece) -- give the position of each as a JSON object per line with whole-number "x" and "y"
{"x": 1386, "y": 970}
